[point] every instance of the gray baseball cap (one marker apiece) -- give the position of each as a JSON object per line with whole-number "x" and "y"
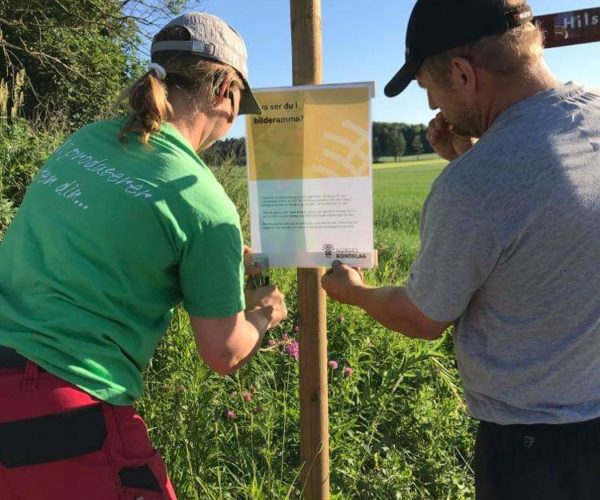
{"x": 212, "y": 38}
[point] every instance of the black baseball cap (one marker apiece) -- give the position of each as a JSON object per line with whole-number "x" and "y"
{"x": 436, "y": 26}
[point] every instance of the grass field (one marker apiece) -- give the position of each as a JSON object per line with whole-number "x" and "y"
{"x": 397, "y": 421}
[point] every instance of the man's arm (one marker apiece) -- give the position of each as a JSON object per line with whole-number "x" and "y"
{"x": 389, "y": 305}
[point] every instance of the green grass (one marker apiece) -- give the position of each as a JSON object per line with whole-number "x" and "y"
{"x": 398, "y": 425}
{"x": 399, "y": 192}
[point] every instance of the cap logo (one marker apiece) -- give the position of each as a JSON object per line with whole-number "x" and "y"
{"x": 203, "y": 48}
{"x": 518, "y": 17}
{"x": 525, "y": 14}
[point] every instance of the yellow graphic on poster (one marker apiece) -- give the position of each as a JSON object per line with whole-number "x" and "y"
{"x": 310, "y": 134}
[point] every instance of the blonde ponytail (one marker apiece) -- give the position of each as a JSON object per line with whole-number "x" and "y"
{"x": 186, "y": 75}
{"x": 149, "y": 107}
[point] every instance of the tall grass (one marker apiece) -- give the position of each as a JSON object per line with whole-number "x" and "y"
{"x": 23, "y": 148}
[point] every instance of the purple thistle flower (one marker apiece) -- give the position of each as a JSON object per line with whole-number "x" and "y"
{"x": 292, "y": 349}
{"x": 231, "y": 415}
{"x": 348, "y": 371}
{"x": 285, "y": 336}
{"x": 333, "y": 364}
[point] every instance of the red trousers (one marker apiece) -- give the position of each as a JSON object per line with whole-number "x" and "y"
{"x": 59, "y": 443}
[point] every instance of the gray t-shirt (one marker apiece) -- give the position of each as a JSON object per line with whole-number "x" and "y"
{"x": 510, "y": 250}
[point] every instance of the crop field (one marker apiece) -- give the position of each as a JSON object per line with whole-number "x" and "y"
{"x": 398, "y": 426}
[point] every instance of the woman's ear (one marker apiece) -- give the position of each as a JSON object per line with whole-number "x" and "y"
{"x": 232, "y": 103}
{"x": 224, "y": 89}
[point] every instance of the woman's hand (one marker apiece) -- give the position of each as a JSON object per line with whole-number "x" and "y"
{"x": 250, "y": 267}
{"x": 268, "y": 301}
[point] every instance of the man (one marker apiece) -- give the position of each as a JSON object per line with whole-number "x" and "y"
{"x": 510, "y": 246}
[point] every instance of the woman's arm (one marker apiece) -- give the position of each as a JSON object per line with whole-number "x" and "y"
{"x": 226, "y": 344}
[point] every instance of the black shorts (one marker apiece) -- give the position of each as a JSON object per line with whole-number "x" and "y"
{"x": 538, "y": 462}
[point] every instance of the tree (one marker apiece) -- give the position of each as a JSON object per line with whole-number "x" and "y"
{"x": 396, "y": 141}
{"x": 230, "y": 151}
{"x": 71, "y": 56}
{"x": 376, "y": 148}
{"x": 417, "y": 145}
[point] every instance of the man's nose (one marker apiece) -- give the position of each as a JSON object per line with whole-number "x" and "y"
{"x": 432, "y": 103}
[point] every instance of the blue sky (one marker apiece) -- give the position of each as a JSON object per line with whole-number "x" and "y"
{"x": 363, "y": 40}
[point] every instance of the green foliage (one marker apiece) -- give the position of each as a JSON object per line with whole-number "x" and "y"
{"x": 72, "y": 57}
{"x": 23, "y": 149}
{"x": 230, "y": 151}
{"x": 76, "y": 55}
{"x": 396, "y": 139}
{"x": 7, "y": 212}
{"x": 417, "y": 145}
{"x": 388, "y": 140}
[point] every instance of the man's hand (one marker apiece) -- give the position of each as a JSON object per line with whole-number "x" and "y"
{"x": 341, "y": 281}
{"x": 268, "y": 301}
{"x": 448, "y": 144}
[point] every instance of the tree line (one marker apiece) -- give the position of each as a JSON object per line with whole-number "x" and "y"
{"x": 393, "y": 140}
{"x": 390, "y": 141}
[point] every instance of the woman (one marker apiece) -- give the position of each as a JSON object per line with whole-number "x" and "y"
{"x": 121, "y": 224}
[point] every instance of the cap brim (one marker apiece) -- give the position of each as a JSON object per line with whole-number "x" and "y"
{"x": 401, "y": 79}
{"x": 248, "y": 104}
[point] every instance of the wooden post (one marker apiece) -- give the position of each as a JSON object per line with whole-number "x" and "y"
{"x": 312, "y": 305}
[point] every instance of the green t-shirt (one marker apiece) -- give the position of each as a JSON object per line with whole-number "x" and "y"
{"x": 109, "y": 239}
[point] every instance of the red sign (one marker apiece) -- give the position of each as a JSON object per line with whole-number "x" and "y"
{"x": 571, "y": 28}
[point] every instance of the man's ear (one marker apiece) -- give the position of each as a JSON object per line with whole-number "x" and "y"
{"x": 464, "y": 76}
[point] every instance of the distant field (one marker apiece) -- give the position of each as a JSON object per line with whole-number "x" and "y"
{"x": 399, "y": 190}
{"x": 405, "y": 183}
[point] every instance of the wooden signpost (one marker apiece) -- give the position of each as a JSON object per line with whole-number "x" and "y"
{"x": 571, "y": 28}
{"x": 312, "y": 303}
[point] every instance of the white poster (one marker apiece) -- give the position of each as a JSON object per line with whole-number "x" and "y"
{"x": 310, "y": 176}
